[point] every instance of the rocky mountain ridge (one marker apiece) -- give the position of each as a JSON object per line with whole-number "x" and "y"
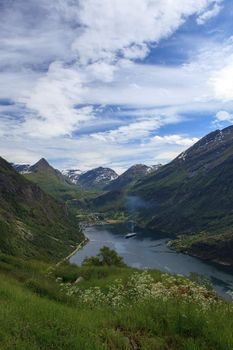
{"x": 97, "y": 178}
{"x": 131, "y": 176}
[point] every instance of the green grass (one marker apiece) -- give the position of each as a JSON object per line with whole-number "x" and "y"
{"x": 35, "y": 315}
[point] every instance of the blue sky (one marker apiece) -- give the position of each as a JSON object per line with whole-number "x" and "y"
{"x": 89, "y": 83}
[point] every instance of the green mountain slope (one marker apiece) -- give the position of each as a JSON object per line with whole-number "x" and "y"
{"x": 33, "y": 224}
{"x": 194, "y": 191}
{"x": 194, "y": 195}
{"x": 53, "y": 182}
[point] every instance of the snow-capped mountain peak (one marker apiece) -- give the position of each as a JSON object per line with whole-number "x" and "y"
{"x": 72, "y": 174}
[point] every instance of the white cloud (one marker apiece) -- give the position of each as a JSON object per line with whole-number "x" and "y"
{"x": 20, "y": 155}
{"x": 222, "y": 81}
{"x": 133, "y": 131}
{"x": 136, "y": 51}
{"x": 70, "y": 53}
{"x": 85, "y": 41}
{"x": 175, "y": 139}
{"x": 181, "y": 88}
{"x": 151, "y": 85}
{"x": 53, "y": 100}
{"x": 86, "y": 153}
{"x": 101, "y": 71}
{"x": 222, "y": 117}
{"x": 115, "y": 26}
{"x": 138, "y": 130}
{"x": 207, "y": 15}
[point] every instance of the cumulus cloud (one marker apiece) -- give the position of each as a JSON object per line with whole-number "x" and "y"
{"x": 86, "y": 42}
{"x": 53, "y": 101}
{"x": 60, "y": 59}
{"x": 114, "y": 27}
{"x": 175, "y": 139}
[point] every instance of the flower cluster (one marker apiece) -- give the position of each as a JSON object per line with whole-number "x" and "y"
{"x": 185, "y": 290}
{"x": 141, "y": 287}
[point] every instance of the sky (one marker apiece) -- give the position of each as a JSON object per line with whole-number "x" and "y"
{"x": 88, "y": 83}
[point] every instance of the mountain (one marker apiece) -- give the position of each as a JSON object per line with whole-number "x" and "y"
{"x": 97, "y": 178}
{"x": 33, "y": 224}
{"x": 194, "y": 187}
{"x": 117, "y": 197}
{"x": 43, "y": 167}
{"x": 193, "y": 195}
{"x": 21, "y": 168}
{"x": 72, "y": 174}
{"x": 52, "y": 181}
{"x": 131, "y": 176}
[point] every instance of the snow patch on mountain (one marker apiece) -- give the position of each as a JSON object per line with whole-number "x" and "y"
{"x": 72, "y": 174}
{"x": 22, "y": 168}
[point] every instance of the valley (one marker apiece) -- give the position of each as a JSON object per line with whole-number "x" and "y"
{"x": 189, "y": 198}
{"x": 116, "y": 175}
{"x": 60, "y": 241}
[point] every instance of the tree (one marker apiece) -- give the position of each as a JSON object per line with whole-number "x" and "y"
{"x": 106, "y": 257}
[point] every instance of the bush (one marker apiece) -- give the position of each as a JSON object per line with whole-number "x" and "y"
{"x": 105, "y": 257}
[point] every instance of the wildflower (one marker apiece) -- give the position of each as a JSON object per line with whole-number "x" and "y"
{"x": 141, "y": 287}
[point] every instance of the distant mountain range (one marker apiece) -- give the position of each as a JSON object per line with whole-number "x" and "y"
{"x": 33, "y": 224}
{"x": 44, "y": 174}
{"x": 100, "y": 178}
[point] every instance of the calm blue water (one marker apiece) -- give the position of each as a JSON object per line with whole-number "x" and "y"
{"x": 150, "y": 251}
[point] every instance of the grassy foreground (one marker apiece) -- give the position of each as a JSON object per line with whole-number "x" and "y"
{"x": 43, "y": 309}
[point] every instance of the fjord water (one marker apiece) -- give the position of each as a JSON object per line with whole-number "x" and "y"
{"x": 148, "y": 250}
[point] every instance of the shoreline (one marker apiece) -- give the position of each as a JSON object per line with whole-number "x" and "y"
{"x": 199, "y": 256}
{"x": 80, "y": 246}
